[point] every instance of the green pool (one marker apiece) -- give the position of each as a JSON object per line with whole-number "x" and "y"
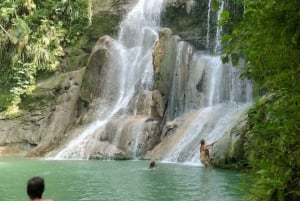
{"x": 118, "y": 180}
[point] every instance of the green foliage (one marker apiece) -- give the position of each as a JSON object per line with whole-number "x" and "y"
{"x": 33, "y": 35}
{"x": 108, "y": 22}
{"x": 268, "y": 35}
{"x": 267, "y": 38}
{"x": 274, "y": 147}
{"x": 216, "y": 5}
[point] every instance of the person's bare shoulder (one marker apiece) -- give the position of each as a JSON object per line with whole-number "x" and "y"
{"x": 46, "y": 200}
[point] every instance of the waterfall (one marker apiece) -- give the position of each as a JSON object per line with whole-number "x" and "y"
{"x": 130, "y": 66}
{"x": 206, "y": 96}
{"x": 219, "y": 29}
{"x": 208, "y": 24}
{"x": 224, "y": 98}
{"x": 177, "y": 99}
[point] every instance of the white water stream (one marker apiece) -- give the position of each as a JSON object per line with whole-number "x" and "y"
{"x": 219, "y": 29}
{"x": 207, "y": 111}
{"x": 130, "y": 66}
{"x": 225, "y": 97}
{"x": 208, "y": 24}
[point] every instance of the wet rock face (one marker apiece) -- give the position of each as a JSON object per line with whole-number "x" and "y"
{"x": 97, "y": 64}
{"x": 78, "y": 92}
{"x": 195, "y": 21}
{"x": 229, "y": 150}
{"x": 188, "y": 19}
{"x": 40, "y": 131}
{"x": 164, "y": 63}
{"x": 105, "y": 19}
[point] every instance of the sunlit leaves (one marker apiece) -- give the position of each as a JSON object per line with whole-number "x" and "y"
{"x": 19, "y": 30}
{"x": 33, "y": 35}
{"x": 46, "y": 46}
{"x": 224, "y": 16}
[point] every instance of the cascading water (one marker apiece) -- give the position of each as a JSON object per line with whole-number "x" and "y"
{"x": 206, "y": 96}
{"x": 130, "y": 66}
{"x": 219, "y": 29}
{"x": 224, "y": 98}
{"x": 208, "y": 24}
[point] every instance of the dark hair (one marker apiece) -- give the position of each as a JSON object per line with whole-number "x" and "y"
{"x": 152, "y": 164}
{"x": 35, "y": 187}
{"x": 202, "y": 142}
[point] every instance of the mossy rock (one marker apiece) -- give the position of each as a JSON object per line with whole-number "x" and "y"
{"x": 104, "y": 23}
{"x": 45, "y": 94}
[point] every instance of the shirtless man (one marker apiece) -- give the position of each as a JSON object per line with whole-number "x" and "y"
{"x": 204, "y": 152}
{"x": 35, "y": 189}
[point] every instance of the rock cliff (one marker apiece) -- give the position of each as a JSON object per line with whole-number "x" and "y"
{"x": 76, "y": 94}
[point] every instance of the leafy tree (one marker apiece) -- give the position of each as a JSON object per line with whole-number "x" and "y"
{"x": 33, "y": 35}
{"x": 267, "y": 38}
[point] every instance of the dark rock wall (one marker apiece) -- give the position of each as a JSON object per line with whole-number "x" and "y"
{"x": 190, "y": 22}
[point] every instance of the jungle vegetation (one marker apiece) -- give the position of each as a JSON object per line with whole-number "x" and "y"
{"x": 33, "y": 36}
{"x": 267, "y": 38}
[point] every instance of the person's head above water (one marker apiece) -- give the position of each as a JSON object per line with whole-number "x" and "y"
{"x": 35, "y": 187}
{"x": 152, "y": 165}
{"x": 202, "y": 142}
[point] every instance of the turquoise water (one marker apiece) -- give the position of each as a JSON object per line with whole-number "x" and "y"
{"x": 118, "y": 180}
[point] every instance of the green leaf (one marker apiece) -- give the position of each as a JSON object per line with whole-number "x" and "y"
{"x": 225, "y": 38}
{"x": 235, "y": 59}
{"x": 225, "y": 59}
{"x": 225, "y": 15}
{"x": 216, "y": 5}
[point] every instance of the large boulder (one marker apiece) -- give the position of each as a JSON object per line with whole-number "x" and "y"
{"x": 96, "y": 66}
{"x": 229, "y": 152}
